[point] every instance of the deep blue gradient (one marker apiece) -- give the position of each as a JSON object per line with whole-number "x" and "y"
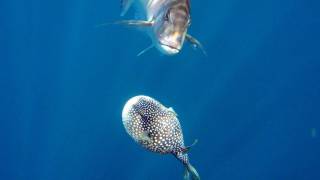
{"x": 253, "y": 103}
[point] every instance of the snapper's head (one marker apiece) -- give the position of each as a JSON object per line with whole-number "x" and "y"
{"x": 171, "y": 27}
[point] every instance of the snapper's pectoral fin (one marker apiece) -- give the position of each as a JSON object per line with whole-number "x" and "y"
{"x": 125, "y": 5}
{"x": 145, "y": 50}
{"x": 187, "y": 148}
{"x": 195, "y": 43}
{"x": 137, "y": 23}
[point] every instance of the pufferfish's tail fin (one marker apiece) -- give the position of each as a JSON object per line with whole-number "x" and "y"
{"x": 191, "y": 170}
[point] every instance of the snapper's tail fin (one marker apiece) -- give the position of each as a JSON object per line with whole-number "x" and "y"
{"x": 191, "y": 170}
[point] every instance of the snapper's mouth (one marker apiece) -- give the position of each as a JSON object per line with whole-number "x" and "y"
{"x": 169, "y": 49}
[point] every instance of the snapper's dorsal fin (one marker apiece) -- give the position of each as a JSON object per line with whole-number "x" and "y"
{"x": 125, "y": 5}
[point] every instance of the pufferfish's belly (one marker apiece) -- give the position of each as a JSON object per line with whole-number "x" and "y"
{"x": 152, "y": 125}
{"x": 165, "y": 135}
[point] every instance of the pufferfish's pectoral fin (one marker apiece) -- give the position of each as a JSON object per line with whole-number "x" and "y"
{"x": 187, "y": 148}
{"x": 173, "y": 111}
{"x": 125, "y": 5}
{"x": 195, "y": 43}
{"x": 137, "y": 23}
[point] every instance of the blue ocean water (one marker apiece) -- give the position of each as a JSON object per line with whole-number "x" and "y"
{"x": 253, "y": 103}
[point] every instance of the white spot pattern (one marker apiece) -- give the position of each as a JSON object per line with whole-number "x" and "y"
{"x": 143, "y": 115}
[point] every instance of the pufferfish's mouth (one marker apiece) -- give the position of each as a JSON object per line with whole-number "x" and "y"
{"x": 169, "y": 49}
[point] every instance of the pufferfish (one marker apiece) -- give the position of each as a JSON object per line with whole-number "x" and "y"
{"x": 157, "y": 128}
{"x": 165, "y": 21}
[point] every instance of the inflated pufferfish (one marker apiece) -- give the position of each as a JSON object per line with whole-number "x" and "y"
{"x": 157, "y": 129}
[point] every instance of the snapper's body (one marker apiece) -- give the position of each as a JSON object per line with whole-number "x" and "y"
{"x": 167, "y": 23}
{"x": 157, "y": 129}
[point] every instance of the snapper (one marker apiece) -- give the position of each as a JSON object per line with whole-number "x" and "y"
{"x": 166, "y": 22}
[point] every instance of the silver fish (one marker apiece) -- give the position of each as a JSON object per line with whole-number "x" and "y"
{"x": 167, "y": 23}
{"x": 157, "y": 129}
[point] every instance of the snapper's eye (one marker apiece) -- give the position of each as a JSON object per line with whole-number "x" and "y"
{"x": 167, "y": 16}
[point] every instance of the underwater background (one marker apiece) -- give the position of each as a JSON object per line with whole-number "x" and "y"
{"x": 253, "y": 103}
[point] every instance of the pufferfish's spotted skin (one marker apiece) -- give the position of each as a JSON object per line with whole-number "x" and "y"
{"x": 155, "y": 127}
